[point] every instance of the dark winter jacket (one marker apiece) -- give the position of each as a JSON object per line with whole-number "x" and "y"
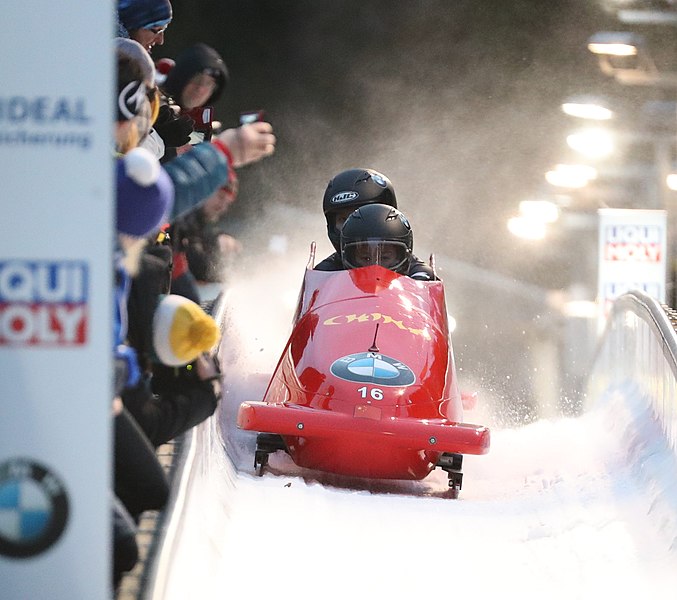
{"x": 177, "y": 401}
{"x": 140, "y": 480}
{"x": 152, "y": 281}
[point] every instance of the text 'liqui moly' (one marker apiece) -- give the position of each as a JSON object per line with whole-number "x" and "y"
{"x": 43, "y": 302}
{"x": 640, "y": 243}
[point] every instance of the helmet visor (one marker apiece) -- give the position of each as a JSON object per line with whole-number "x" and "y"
{"x": 389, "y": 254}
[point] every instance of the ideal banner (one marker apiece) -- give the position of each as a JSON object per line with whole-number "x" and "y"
{"x": 632, "y": 254}
{"x": 56, "y": 237}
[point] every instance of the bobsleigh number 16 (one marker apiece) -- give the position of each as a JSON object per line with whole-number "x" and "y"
{"x": 366, "y": 385}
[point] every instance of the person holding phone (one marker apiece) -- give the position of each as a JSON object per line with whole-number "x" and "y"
{"x": 191, "y": 84}
{"x": 194, "y": 83}
{"x": 197, "y": 79}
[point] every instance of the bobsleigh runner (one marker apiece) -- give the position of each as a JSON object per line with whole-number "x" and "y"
{"x": 366, "y": 385}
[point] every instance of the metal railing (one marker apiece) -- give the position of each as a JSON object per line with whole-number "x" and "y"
{"x": 639, "y": 346}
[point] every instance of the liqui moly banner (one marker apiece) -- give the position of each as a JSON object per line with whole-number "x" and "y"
{"x": 632, "y": 254}
{"x": 56, "y": 234}
{"x": 43, "y": 303}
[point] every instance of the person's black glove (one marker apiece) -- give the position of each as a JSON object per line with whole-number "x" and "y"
{"x": 174, "y": 130}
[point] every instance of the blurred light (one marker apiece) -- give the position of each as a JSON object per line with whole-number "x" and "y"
{"x": 527, "y": 228}
{"x": 452, "y": 323}
{"x": 587, "y": 109}
{"x": 593, "y": 143}
{"x": 644, "y": 16}
{"x": 615, "y": 43}
{"x": 585, "y": 309}
{"x": 571, "y": 176}
{"x": 290, "y": 299}
{"x": 613, "y": 49}
{"x": 671, "y": 181}
{"x": 541, "y": 210}
{"x": 278, "y": 244}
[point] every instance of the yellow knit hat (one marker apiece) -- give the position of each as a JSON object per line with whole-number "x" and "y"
{"x": 182, "y": 331}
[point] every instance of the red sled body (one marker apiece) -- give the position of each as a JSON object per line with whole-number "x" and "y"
{"x": 366, "y": 385}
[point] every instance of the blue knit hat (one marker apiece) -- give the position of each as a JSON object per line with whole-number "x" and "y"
{"x": 144, "y": 14}
{"x": 145, "y": 193}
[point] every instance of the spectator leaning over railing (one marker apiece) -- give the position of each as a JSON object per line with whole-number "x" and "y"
{"x": 144, "y": 199}
{"x": 193, "y": 83}
{"x": 144, "y": 195}
{"x": 202, "y": 235}
{"x": 174, "y": 408}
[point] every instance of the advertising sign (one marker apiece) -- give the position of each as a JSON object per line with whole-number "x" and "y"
{"x": 56, "y": 234}
{"x": 632, "y": 254}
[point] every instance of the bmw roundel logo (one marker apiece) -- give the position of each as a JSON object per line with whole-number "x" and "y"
{"x": 405, "y": 221}
{"x": 379, "y": 180}
{"x": 344, "y": 197}
{"x": 372, "y": 367}
{"x": 33, "y": 508}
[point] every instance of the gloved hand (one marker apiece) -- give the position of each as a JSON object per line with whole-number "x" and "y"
{"x": 249, "y": 143}
{"x": 173, "y": 129}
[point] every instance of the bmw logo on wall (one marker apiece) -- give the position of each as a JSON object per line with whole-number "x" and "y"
{"x": 33, "y": 508}
{"x": 372, "y": 367}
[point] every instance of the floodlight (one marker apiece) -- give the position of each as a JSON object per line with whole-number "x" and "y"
{"x": 615, "y": 43}
{"x": 587, "y": 107}
{"x": 625, "y": 56}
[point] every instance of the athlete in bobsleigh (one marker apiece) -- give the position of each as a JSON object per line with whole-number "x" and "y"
{"x": 348, "y": 191}
{"x": 378, "y": 234}
{"x": 366, "y": 385}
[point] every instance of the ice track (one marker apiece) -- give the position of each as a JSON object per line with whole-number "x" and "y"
{"x": 558, "y": 509}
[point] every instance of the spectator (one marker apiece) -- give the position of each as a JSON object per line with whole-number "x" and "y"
{"x": 205, "y": 249}
{"x": 184, "y": 387}
{"x": 197, "y": 174}
{"x": 139, "y": 479}
{"x": 125, "y": 549}
{"x": 194, "y": 176}
{"x": 195, "y": 81}
{"x": 144, "y": 197}
{"x": 168, "y": 400}
{"x": 197, "y": 78}
{"x": 168, "y": 129}
{"x": 137, "y": 103}
{"x": 144, "y": 21}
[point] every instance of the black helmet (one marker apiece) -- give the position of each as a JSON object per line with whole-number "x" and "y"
{"x": 377, "y": 234}
{"x": 351, "y": 189}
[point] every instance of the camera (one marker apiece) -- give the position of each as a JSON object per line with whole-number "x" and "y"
{"x": 251, "y": 116}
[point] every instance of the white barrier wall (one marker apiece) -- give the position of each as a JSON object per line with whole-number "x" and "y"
{"x": 56, "y": 233}
{"x": 639, "y": 347}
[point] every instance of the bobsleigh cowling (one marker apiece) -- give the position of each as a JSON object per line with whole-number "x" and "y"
{"x": 366, "y": 385}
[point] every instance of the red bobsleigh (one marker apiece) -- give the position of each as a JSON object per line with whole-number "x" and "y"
{"x": 366, "y": 385}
